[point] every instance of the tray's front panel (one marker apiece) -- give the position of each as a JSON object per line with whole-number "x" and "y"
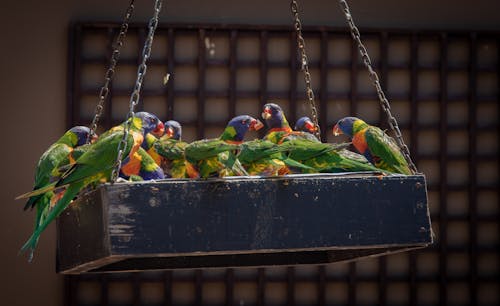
{"x": 178, "y": 217}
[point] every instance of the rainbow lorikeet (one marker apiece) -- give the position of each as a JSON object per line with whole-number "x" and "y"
{"x": 374, "y": 144}
{"x": 262, "y": 157}
{"x": 326, "y": 157}
{"x": 170, "y": 152}
{"x": 95, "y": 165}
{"x": 217, "y": 157}
{"x": 305, "y": 124}
{"x": 279, "y": 130}
{"x": 58, "y": 154}
{"x": 54, "y": 156}
{"x": 141, "y": 165}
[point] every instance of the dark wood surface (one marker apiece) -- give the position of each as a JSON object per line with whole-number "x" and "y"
{"x": 242, "y": 222}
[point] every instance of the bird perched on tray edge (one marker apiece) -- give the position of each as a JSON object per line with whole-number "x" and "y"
{"x": 374, "y": 144}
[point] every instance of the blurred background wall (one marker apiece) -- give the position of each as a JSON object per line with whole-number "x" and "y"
{"x": 33, "y": 91}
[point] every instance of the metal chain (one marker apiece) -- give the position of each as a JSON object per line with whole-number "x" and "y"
{"x": 103, "y": 93}
{"x": 134, "y": 97}
{"x": 384, "y": 103}
{"x": 304, "y": 66}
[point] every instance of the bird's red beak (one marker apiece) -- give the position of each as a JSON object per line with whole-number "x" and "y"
{"x": 266, "y": 114}
{"x": 311, "y": 127}
{"x": 169, "y": 132}
{"x": 256, "y": 125}
{"x": 337, "y": 131}
{"x": 160, "y": 129}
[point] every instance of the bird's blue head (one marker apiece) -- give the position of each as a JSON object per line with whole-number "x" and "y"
{"x": 173, "y": 130}
{"x": 274, "y": 117}
{"x": 150, "y": 124}
{"x": 348, "y": 126}
{"x": 305, "y": 124}
{"x": 80, "y": 134}
{"x": 237, "y": 128}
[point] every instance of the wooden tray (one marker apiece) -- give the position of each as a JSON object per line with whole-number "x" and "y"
{"x": 242, "y": 221}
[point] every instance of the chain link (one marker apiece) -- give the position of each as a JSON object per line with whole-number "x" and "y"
{"x": 304, "y": 66}
{"x": 384, "y": 103}
{"x": 136, "y": 94}
{"x": 103, "y": 93}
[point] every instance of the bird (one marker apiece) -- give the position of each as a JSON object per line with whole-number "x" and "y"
{"x": 265, "y": 158}
{"x": 326, "y": 157}
{"x": 374, "y": 144}
{"x": 278, "y": 128}
{"x": 93, "y": 166}
{"x": 52, "y": 158}
{"x": 169, "y": 152}
{"x": 57, "y": 155}
{"x": 217, "y": 156}
{"x": 141, "y": 165}
{"x": 305, "y": 124}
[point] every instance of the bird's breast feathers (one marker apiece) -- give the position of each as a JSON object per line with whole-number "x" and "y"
{"x": 359, "y": 142}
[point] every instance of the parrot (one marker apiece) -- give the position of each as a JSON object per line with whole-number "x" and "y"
{"x": 217, "y": 157}
{"x": 279, "y": 129}
{"x": 95, "y": 165}
{"x": 265, "y": 158}
{"x": 58, "y": 154}
{"x": 374, "y": 144}
{"x": 141, "y": 165}
{"x": 305, "y": 124}
{"x": 170, "y": 152}
{"x": 326, "y": 157}
{"x": 54, "y": 155}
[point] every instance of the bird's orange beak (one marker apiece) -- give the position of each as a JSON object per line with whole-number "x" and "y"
{"x": 337, "y": 131}
{"x": 256, "y": 125}
{"x": 169, "y": 132}
{"x": 160, "y": 129}
{"x": 311, "y": 127}
{"x": 266, "y": 114}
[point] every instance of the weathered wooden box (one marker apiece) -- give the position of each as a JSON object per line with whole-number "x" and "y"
{"x": 301, "y": 219}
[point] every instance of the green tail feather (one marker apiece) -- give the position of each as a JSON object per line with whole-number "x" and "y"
{"x": 32, "y": 201}
{"x": 297, "y": 167}
{"x": 44, "y": 221}
{"x": 39, "y": 191}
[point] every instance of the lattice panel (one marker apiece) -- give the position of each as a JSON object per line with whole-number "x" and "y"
{"x": 444, "y": 90}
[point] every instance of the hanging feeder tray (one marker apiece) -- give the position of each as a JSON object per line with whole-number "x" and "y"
{"x": 296, "y": 219}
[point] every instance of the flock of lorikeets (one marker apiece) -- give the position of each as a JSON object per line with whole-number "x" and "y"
{"x": 155, "y": 151}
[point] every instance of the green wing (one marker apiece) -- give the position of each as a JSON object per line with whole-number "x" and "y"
{"x": 386, "y": 151}
{"x": 170, "y": 148}
{"x": 326, "y": 157}
{"x": 49, "y": 161}
{"x": 98, "y": 160}
{"x": 263, "y": 157}
{"x": 207, "y": 148}
{"x": 258, "y": 149}
{"x": 283, "y": 136}
{"x": 301, "y": 136}
{"x": 340, "y": 161}
{"x": 304, "y": 149}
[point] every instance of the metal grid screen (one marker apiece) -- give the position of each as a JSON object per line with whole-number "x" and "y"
{"x": 444, "y": 90}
